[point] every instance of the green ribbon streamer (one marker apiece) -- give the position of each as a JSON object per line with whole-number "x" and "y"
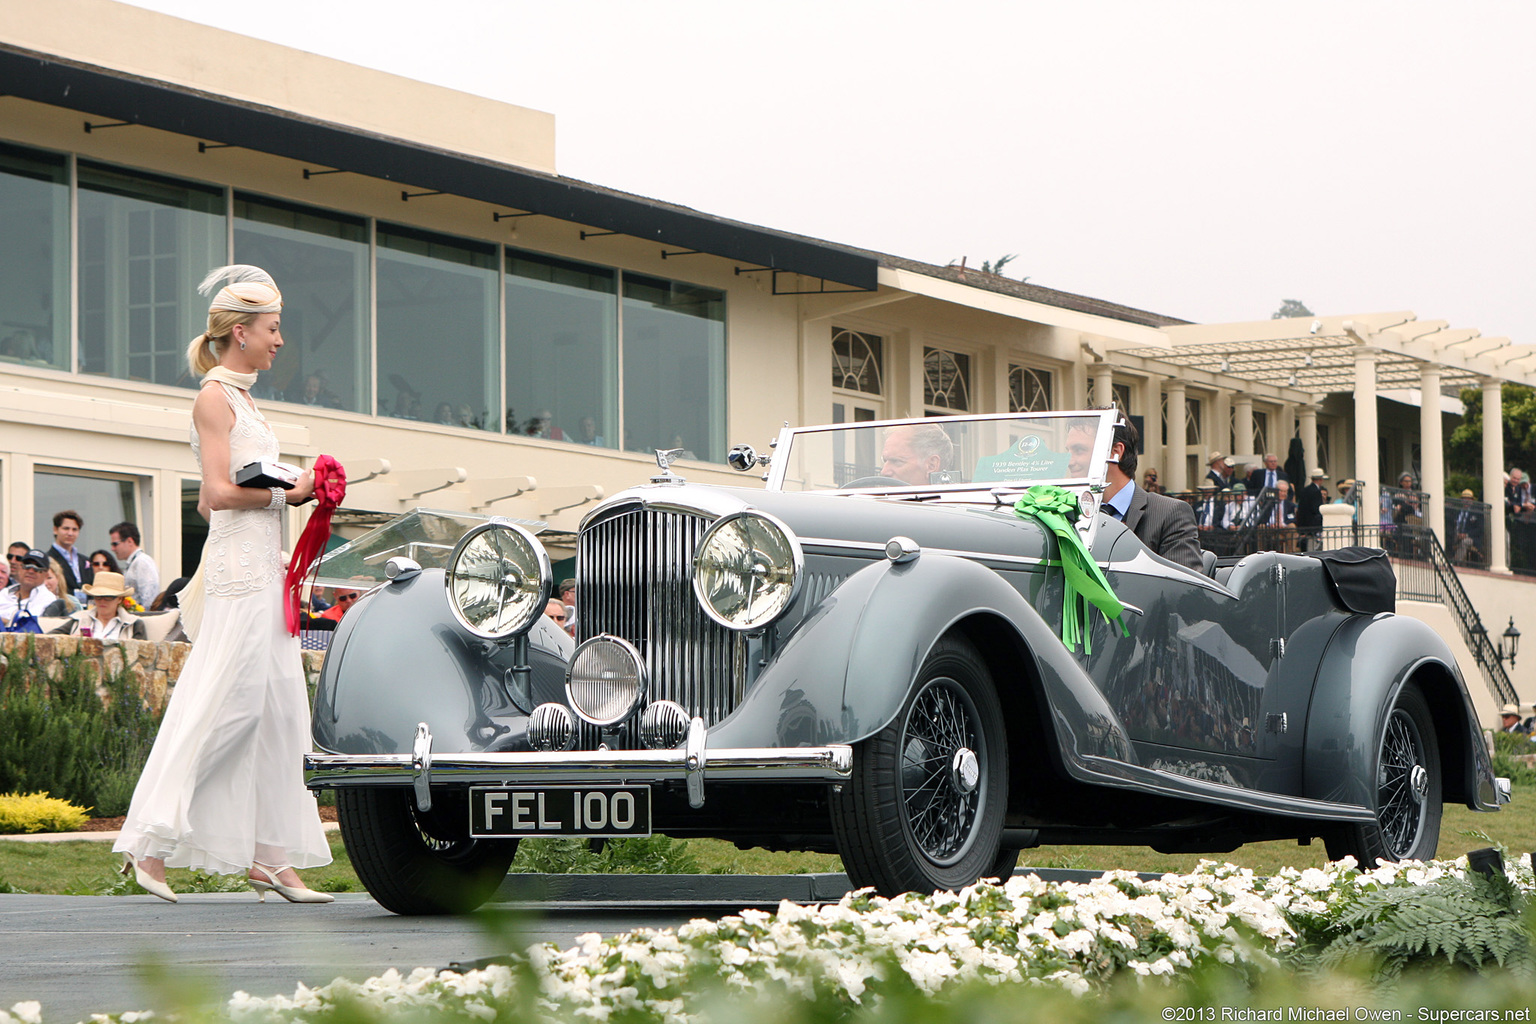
{"x": 1056, "y": 509}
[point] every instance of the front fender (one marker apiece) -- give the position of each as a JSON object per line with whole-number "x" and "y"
{"x": 846, "y": 670}
{"x": 1367, "y": 662}
{"x": 398, "y": 658}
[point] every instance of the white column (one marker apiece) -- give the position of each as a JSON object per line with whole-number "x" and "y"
{"x": 1103, "y": 386}
{"x": 1432, "y": 448}
{"x": 1174, "y": 473}
{"x": 1152, "y": 436}
{"x": 1493, "y": 473}
{"x": 1243, "y": 435}
{"x": 1366, "y": 461}
{"x": 1309, "y": 438}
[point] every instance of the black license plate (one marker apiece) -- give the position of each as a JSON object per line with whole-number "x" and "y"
{"x": 596, "y": 811}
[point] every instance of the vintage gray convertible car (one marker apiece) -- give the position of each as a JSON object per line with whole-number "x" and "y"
{"x": 877, "y": 655}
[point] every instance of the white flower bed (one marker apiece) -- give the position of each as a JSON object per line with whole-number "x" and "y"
{"x": 1072, "y": 935}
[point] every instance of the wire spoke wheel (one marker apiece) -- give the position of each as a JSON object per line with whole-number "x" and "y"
{"x": 924, "y": 809}
{"x": 1408, "y": 791}
{"x": 940, "y": 809}
{"x": 1401, "y": 781}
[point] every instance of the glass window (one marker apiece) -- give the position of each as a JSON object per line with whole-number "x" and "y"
{"x": 1192, "y": 423}
{"x": 857, "y": 363}
{"x": 674, "y": 367}
{"x": 145, "y": 243}
{"x": 1122, "y": 393}
{"x": 946, "y": 379}
{"x": 1261, "y": 433}
{"x": 102, "y": 502}
{"x": 320, "y": 261}
{"x": 34, "y": 261}
{"x": 1029, "y": 389}
{"x": 437, "y": 328}
{"x": 562, "y": 350}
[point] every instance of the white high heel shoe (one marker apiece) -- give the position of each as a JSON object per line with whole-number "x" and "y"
{"x": 148, "y": 884}
{"x": 291, "y": 893}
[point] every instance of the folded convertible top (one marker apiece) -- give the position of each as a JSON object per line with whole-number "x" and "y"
{"x": 1362, "y": 578}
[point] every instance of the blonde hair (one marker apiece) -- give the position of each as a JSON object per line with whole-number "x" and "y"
{"x": 209, "y": 347}
{"x": 250, "y": 292}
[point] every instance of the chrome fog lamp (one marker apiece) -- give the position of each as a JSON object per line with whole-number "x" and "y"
{"x": 605, "y": 681}
{"x": 498, "y": 580}
{"x": 551, "y": 727}
{"x": 663, "y": 725}
{"x": 747, "y": 570}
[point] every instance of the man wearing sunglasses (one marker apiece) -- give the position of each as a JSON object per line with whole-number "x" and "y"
{"x": 346, "y": 597}
{"x": 139, "y": 570}
{"x": 28, "y": 595}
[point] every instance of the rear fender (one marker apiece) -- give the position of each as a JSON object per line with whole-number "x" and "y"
{"x": 846, "y": 670}
{"x": 1367, "y": 663}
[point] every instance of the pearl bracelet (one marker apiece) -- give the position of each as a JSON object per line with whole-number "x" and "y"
{"x": 279, "y": 498}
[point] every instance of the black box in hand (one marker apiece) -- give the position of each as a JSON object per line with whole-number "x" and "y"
{"x": 268, "y": 475}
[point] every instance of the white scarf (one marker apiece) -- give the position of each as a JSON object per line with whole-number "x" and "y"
{"x": 223, "y": 374}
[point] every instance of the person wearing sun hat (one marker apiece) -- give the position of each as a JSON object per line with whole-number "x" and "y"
{"x": 105, "y": 619}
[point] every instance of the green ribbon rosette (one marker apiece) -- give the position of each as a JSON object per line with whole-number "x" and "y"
{"x": 1056, "y": 509}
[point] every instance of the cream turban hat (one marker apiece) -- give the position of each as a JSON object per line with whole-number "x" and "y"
{"x": 250, "y": 290}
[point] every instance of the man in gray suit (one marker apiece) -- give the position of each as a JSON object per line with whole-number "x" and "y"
{"x": 1165, "y": 525}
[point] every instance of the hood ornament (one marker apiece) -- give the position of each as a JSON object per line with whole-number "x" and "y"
{"x": 664, "y": 458}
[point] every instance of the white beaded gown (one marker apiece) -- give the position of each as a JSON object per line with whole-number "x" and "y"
{"x": 224, "y": 783}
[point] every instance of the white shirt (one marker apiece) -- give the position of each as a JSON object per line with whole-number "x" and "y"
{"x": 142, "y": 574}
{"x": 40, "y": 598}
{"x": 116, "y": 630}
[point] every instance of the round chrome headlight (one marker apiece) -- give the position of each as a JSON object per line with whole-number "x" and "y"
{"x": 747, "y": 570}
{"x": 498, "y": 580}
{"x": 605, "y": 681}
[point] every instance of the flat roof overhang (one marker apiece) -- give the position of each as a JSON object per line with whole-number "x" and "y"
{"x": 104, "y": 92}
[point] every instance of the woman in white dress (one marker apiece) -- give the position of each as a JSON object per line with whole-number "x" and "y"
{"x": 223, "y": 789}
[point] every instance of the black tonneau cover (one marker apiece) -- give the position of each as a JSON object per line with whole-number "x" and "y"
{"x": 1361, "y": 577}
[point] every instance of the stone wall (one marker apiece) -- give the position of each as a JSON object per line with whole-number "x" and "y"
{"x": 157, "y": 666}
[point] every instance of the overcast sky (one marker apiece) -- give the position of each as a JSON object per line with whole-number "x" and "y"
{"x": 1201, "y": 160}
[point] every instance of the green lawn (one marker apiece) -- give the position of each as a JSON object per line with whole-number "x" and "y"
{"x": 88, "y": 868}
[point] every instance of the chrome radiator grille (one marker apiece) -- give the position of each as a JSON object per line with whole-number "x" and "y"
{"x": 632, "y": 581}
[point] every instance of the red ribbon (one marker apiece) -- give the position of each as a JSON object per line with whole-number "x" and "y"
{"x": 330, "y": 489}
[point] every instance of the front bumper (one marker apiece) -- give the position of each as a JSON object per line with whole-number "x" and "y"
{"x": 691, "y": 763}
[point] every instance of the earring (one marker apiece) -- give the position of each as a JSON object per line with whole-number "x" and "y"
{"x": 242, "y": 346}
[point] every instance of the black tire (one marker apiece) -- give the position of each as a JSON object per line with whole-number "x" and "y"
{"x": 416, "y": 864}
{"x": 1409, "y": 796}
{"x": 904, "y": 822}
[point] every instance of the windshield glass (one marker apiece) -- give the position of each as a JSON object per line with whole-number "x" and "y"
{"x": 427, "y": 535}
{"x": 947, "y": 453}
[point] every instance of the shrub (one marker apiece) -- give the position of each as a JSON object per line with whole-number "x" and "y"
{"x": 58, "y": 735}
{"x": 38, "y": 812}
{"x": 1505, "y": 746}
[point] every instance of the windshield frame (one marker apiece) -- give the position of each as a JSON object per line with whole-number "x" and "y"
{"x": 1094, "y": 480}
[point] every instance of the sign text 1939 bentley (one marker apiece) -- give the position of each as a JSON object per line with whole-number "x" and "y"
{"x": 921, "y": 646}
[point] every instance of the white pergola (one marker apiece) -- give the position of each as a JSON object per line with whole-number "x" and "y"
{"x": 1301, "y": 360}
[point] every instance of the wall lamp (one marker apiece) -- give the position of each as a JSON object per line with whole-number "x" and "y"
{"x": 1507, "y": 646}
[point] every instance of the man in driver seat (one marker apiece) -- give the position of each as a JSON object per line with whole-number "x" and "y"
{"x": 913, "y": 453}
{"x": 1164, "y": 524}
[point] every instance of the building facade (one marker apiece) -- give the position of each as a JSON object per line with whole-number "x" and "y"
{"x": 468, "y": 330}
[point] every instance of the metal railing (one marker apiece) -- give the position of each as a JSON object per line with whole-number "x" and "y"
{"x": 1425, "y": 573}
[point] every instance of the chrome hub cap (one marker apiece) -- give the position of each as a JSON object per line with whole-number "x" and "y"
{"x": 1418, "y": 783}
{"x": 964, "y": 771}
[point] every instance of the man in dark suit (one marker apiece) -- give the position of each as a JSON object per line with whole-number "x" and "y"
{"x": 1218, "y": 473}
{"x": 1465, "y": 530}
{"x": 1267, "y": 475}
{"x": 1309, "y": 511}
{"x": 1165, "y": 525}
{"x": 77, "y": 567}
